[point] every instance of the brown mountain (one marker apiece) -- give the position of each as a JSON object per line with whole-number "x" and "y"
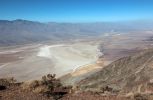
{"x": 132, "y": 73}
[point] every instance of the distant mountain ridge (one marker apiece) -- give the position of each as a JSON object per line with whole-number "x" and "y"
{"x": 24, "y": 31}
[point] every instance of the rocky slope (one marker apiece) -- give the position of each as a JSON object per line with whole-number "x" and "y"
{"x": 129, "y": 78}
{"x": 133, "y": 73}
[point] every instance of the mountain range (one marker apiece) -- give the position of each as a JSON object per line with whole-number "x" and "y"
{"x": 24, "y": 31}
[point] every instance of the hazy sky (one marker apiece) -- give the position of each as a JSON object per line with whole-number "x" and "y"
{"x": 76, "y": 10}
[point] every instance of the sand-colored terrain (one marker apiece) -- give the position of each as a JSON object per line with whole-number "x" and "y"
{"x": 77, "y": 57}
{"x": 33, "y": 63}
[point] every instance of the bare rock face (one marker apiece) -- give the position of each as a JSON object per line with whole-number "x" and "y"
{"x": 132, "y": 73}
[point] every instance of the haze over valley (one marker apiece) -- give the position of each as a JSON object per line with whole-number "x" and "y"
{"x": 39, "y": 50}
{"x": 76, "y": 50}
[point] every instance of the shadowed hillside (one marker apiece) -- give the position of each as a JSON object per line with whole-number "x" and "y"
{"x": 133, "y": 73}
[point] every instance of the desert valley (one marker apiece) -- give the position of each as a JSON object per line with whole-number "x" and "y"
{"x": 82, "y": 60}
{"x": 77, "y": 56}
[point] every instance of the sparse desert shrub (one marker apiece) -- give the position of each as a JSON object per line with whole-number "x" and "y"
{"x": 139, "y": 96}
{"x": 34, "y": 84}
{"x": 31, "y": 85}
{"x": 55, "y": 88}
{"x": 40, "y": 89}
{"x": 12, "y": 80}
{"x": 7, "y": 81}
{"x": 106, "y": 89}
{"x": 44, "y": 80}
{"x": 49, "y": 86}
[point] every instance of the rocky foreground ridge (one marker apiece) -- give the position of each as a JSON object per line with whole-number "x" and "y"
{"x": 128, "y": 78}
